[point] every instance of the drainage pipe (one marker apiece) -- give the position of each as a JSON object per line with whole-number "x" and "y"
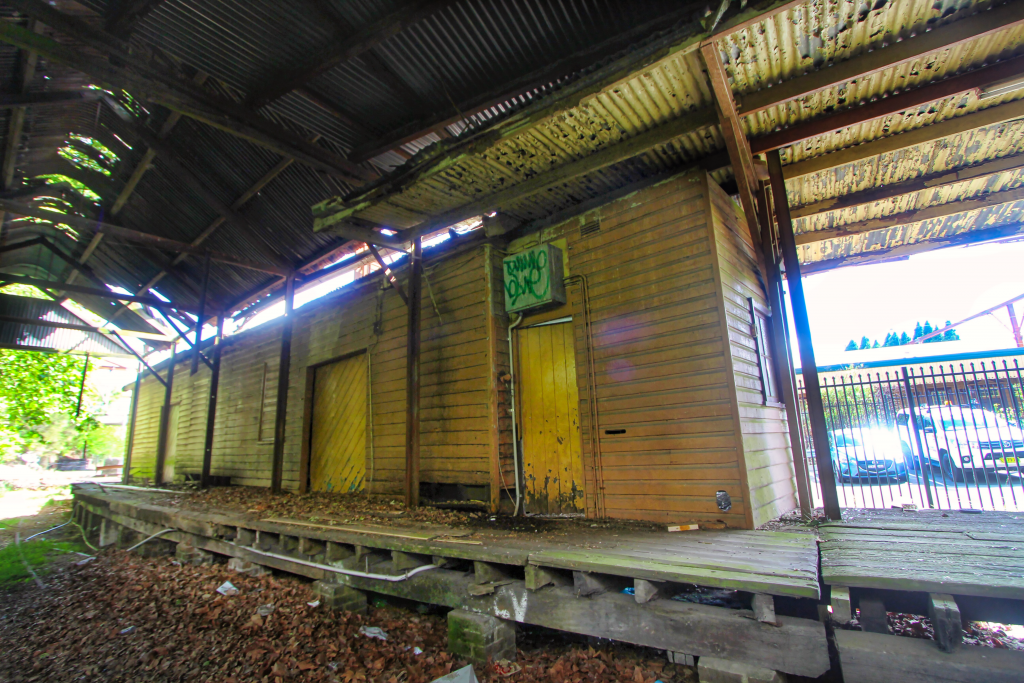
{"x": 512, "y": 410}
{"x": 392, "y": 578}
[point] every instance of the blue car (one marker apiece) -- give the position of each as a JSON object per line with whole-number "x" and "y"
{"x": 869, "y": 455}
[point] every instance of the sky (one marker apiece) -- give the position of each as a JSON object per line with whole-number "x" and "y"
{"x": 948, "y": 284}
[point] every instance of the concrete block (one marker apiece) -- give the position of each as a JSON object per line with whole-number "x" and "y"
{"x": 338, "y": 596}
{"x": 538, "y": 577}
{"x": 405, "y": 561}
{"x": 587, "y": 584}
{"x": 680, "y": 658}
{"x": 945, "y": 616}
{"x": 645, "y": 591}
{"x": 478, "y": 637}
{"x": 487, "y": 572}
{"x": 715, "y": 670}
{"x": 764, "y": 608}
{"x": 241, "y": 566}
{"x": 245, "y": 537}
{"x": 108, "y": 533}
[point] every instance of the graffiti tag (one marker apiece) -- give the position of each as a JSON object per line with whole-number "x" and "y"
{"x": 527, "y": 275}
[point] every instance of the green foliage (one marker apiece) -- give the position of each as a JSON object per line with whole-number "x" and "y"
{"x": 37, "y": 554}
{"x": 852, "y": 346}
{"x": 905, "y": 339}
{"x": 25, "y": 290}
{"x": 865, "y": 343}
{"x": 79, "y": 159}
{"x": 38, "y": 396}
{"x": 894, "y": 339}
{"x": 79, "y": 187}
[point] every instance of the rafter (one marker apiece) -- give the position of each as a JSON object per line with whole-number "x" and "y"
{"x": 858, "y": 114}
{"x": 910, "y": 217}
{"x": 69, "y": 97}
{"x": 85, "y": 328}
{"x": 942, "y": 38}
{"x": 904, "y": 251}
{"x": 135, "y": 236}
{"x": 926, "y": 182}
{"x": 128, "y": 14}
{"x": 340, "y": 51}
{"x": 991, "y": 116}
{"x": 92, "y": 291}
{"x": 146, "y": 82}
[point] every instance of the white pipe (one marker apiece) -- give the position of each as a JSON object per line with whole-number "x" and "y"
{"x": 131, "y": 488}
{"x": 47, "y": 531}
{"x": 512, "y": 410}
{"x": 392, "y": 578}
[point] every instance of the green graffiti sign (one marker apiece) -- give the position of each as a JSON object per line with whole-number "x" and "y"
{"x": 533, "y": 278}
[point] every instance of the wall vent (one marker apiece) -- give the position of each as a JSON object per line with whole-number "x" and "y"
{"x": 591, "y": 228}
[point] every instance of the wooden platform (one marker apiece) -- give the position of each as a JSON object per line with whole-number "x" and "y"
{"x": 927, "y": 551}
{"x": 770, "y": 562}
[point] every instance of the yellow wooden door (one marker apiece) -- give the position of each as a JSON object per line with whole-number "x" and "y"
{"x": 550, "y": 420}
{"x": 338, "y": 451}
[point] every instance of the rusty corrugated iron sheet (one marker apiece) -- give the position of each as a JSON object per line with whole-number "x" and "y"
{"x": 39, "y": 337}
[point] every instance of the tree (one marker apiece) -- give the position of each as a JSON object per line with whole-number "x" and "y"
{"x": 875, "y": 345}
{"x": 950, "y": 334}
{"x": 35, "y": 388}
{"x": 865, "y": 343}
{"x": 905, "y": 339}
{"x": 918, "y": 330}
{"x": 852, "y": 346}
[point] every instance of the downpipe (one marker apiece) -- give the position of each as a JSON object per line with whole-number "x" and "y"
{"x": 512, "y": 410}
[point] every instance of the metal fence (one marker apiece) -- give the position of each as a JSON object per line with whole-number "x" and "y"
{"x": 947, "y": 437}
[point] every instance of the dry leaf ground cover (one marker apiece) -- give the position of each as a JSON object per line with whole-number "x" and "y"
{"x": 122, "y": 617}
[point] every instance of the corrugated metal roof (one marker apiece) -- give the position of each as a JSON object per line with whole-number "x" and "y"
{"x": 19, "y": 335}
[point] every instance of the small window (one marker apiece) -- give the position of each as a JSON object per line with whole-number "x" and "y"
{"x": 760, "y": 324}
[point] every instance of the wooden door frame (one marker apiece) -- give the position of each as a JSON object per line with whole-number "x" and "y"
{"x": 307, "y": 413}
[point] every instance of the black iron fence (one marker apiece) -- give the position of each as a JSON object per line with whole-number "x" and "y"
{"x": 948, "y": 437}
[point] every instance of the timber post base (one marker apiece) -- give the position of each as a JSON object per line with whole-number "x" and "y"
{"x": 340, "y": 597}
{"x": 479, "y": 637}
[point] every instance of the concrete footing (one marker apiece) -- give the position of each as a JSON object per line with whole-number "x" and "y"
{"x": 337, "y": 596}
{"x": 715, "y": 670}
{"x": 237, "y": 564}
{"x": 187, "y": 554}
{"x": 478, "y": 637}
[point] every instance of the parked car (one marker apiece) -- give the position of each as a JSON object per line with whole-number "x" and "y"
{"x": 956, "y": 440}
{"x": 870, "y": 454}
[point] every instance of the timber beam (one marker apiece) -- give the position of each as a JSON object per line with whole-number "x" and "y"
{"x": 933, "y": 181}
{"x": 129, "y": 235}
{"x": 858, "y": 114}
{"x": 70, "y": 97}
{"x": 84, "y": 328}
{"x": 338, "y": 52}
{"x": 910, "y": 217}
{"x": 147, "y": 83}
{"x": 949, "y": 36}
{"x": 92, "y": 291}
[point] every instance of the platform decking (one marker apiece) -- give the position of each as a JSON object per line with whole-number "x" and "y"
{"x": 927, "y": 551}
{"x": 771, "y": 562}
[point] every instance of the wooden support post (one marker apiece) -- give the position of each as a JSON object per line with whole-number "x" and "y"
{"x": 946, "y": 622}
{"x": 872, "y": 615}
{"x": 815, "y": 406}
{"x": 783, "y": 350}
{"x": 81, "y": 386}
{"x": 412, "y": 381}
{"x": 202, "y": 315}
{"x": 538, "y": 577}
{"x": 284, "y": 365}
{"x": 842, "y": 609}
{"x": 126, "y": 467}
{"x": 402, "y": 561}
{"x": 165, "y": 417}
{"x": 586, "y": 584}
{"x": 211, "y": 407}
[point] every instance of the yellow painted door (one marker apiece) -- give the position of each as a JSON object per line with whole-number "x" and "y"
{"x": 550, "y": 420}
{"x": 338, "y": 452}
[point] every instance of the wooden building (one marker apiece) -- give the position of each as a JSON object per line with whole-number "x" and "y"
{"x": 643, "y": 397}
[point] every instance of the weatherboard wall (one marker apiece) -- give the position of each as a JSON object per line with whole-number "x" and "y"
{"x": 459, "y": 398}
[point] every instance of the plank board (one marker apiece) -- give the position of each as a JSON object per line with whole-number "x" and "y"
{"x": 976, "y": 555}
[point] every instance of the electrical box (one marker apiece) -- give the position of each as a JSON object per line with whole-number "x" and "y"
{"x": 533, "y": 279}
